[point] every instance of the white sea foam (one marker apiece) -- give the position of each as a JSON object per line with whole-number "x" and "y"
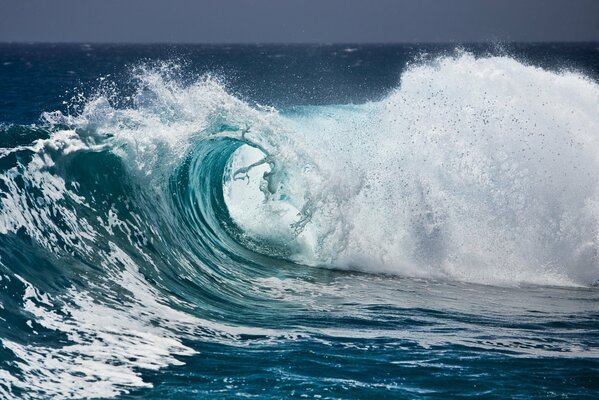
{"x": 109, "y": 341}
{"x": 477, "y": 169}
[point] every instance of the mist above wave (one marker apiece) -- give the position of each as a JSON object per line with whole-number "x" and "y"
{"x": 477, "y": 169}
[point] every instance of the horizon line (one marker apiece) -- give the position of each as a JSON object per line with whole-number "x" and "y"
{"x": 349, "y": 43}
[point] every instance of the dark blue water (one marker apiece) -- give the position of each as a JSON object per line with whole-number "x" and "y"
{"x": 299, "y": 221}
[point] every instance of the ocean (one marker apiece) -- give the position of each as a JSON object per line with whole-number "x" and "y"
{"x": 302, "y": 221}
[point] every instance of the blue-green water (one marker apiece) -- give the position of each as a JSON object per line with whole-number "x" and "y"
{"x": 299, "y": 221}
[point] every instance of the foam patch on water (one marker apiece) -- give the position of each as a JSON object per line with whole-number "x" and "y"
{"x": 110, "y": 341}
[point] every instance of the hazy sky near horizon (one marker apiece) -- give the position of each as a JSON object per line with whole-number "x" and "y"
{"x": 294, "y": 21}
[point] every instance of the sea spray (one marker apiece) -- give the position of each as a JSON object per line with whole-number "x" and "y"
{"x": 478, "y": 169}
{"x": 176, "y": 226}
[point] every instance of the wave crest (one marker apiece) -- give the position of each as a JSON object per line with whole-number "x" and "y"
{"x": 157, "y": 205}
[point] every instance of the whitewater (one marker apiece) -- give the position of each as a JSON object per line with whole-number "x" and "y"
{"x": 166, "y": 237}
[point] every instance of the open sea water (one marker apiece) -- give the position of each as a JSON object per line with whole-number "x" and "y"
{"x": 330, "y": 222}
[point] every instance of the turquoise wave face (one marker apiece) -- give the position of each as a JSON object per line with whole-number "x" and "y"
{"x": 168, "y": 239}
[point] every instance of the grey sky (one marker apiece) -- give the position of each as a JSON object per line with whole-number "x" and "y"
{"x": 315, "y": 21}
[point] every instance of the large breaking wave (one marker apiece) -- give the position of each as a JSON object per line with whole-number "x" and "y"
{"x": 141, "y": 212}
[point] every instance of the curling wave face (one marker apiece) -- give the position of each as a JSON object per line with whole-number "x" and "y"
{"x": 474, "y": 169}
{"x": 157, "y": 213}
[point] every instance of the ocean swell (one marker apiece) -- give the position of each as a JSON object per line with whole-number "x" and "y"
{"x": 143, "y": 217}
